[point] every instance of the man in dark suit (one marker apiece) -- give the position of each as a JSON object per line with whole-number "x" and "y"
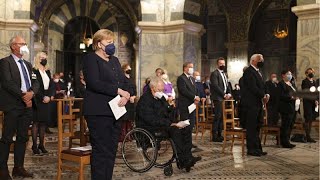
{"x": 17, "y": 92}
{"x": 252, "y": 99}
{"x": 220, "y": 90}
{"x": 188, "y": 95}
{"x": 273, "y": 104}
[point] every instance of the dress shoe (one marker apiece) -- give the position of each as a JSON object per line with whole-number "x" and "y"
{"x": 293, "y": 145}
{"x": 254, "y": 153}
{"x": 216, "y": 139}
{"x": 263, "y": 153}
{"x": 221, "y": 138}
{"x": 188, "y": 164}
{"x": 287, "y": 146}
{"x": 196, "y": 159}
{"x": 35, "y": 151}
{"x": 48, "y": 131}
{"x": 42, "y": 149}
{"x": 309, "y": 139}
{"x": 4, "y": 175}
{"x": 21, "y": 172}
{"x": 194, "y": 146}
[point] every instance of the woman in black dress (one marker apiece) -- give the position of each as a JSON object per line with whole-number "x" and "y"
{"x": 104, "y": 81}
{"x": 309, "y": 104}
{"x": 43, "y": 97}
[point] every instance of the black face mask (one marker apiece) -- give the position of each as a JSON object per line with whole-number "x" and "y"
{"x": 44, "y": 62}
{"x": 128, "y": 71}
{"x": 311, "y": 75}
{"x": 221, "y": 67}
{"x": 260, "y": 64}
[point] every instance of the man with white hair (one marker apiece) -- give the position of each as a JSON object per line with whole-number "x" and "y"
{"x": 253, "y": 97}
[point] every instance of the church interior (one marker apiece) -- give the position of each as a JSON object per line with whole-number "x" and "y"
{"x": 166, "y": 33}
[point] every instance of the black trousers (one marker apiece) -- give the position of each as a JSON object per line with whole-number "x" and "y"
{"x": 253, "y": 124}
{"x": 15, "y": 121}
{"x": 286, "y": 126}
{"x": 104, "y": 135}
{"x": 217, "y": 121}
{"x": 273, "y": 114}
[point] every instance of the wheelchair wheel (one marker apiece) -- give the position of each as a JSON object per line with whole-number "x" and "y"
{"x": 139, "y": 150}
{"x": 166, "y": 153}
{"x": 168, "y": 170}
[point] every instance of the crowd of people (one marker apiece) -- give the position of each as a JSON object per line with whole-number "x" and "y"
{"x": 27, "y": 95}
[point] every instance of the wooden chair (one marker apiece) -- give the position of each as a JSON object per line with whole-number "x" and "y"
{"x": 268, "y": 130}
{"x": 209, "y": 118}
{"x": 229, "y": 125}
{"x": 82, "y": 158}
{"x": 200, "y": 119}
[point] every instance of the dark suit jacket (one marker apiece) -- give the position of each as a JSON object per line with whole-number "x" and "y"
{"x": 102, "y": 82}
{"x": 308, "y": 104}
{"x": 51, "y": 90}
{"x": 151, "y": 112}
{"x": 252, "y": 88}
{"x": 287, "y": 104}
{"x": 10, "y": 92}
{"x": 274, "y": 92}
{"x": 187, "y": 91}
{"x": 217, "y": 86}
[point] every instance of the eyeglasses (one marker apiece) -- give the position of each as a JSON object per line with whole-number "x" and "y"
{"x": 21, "y": 44}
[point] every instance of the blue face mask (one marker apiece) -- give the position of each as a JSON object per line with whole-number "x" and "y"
{"x": 289, "y": 77}
{"x": 109, "y": 49}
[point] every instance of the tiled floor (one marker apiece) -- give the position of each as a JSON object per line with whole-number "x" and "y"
{"x": 301, "y": 162}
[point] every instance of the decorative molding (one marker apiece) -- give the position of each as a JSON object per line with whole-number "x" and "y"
{"x": 171, "y": 27}
{"x": 310, "y": 11}
{"x": 16, "y": 24}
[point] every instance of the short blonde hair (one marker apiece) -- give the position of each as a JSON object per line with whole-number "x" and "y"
{"x": 101, "y": 35}
{"x": 37, "y": 60}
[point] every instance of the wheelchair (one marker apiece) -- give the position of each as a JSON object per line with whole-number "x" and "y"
{"x": 142, "y": 150}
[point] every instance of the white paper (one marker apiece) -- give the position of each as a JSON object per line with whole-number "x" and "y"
{"x": 191, "y": 108}
{"x": 116, "y": 109}
{"x": 184, "y": 123}
{"x": 84, "y": 148}
{"x": 297, "y": 104}
{"x": 316, "y": 109}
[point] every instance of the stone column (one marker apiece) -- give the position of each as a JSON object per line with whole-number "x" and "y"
{"x": 168, "y": 45}
{"x": 308, "y": 37}
{"x": 237, "y": 59}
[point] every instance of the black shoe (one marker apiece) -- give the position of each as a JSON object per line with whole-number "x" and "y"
{"x": 4, "y": 175}
{"x": 194, "y": 146}
{"x": 42, "y": 149}
{"x": 21, "y": 172}
{"x": 35, "y": 150}
{"x": 263, "y": 153}
{"x": 188, "y": 165}
{"x": 287, "y": 146}
{"x": 216, "y": 139}
{"x": 221, "y": 138}
{"x": 196, "y": 159}
{"x": 48, "y": 131}
{"x": 293, "y": 145}
{"x": 254, "y": 153}
{"x": 309, "y": 139}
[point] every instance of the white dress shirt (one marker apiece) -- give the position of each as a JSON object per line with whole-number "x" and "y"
{"x": 23, "y": 83}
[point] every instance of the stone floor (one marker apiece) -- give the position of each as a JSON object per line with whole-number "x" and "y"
{"x": 301, "y": 162}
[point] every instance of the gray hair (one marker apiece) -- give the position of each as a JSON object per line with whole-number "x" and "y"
{"x": 254, "y": 57}
{"x": 12, "y": 40}
{"x": 154, "y": 81}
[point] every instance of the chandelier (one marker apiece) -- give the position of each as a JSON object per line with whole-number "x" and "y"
{"x": 87, "y": 40}
{"x": 281, "y": 33}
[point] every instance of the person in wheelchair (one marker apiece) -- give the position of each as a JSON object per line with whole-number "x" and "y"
{"x": 153, "y": 114}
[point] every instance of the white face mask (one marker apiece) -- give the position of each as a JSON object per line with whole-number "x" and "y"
{"x": 198, "y": 78}
{"x": 190, "y": 72}
{"x": 158, "y": 95}
{"x": 24, "y": 50}
{"x": 274, "y": 79}
{"x": 56, "y": 80}
{"x": 165, "y": 76}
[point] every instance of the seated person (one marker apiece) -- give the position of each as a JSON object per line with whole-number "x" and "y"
{"x": 152, "y": 114}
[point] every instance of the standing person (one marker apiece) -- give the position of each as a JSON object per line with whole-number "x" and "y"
{"x": 220, "y": 90}
{"x": 206, "y": 85}
{"x": 253, "y": 95}
{"x": 81, "y": 86}
{"x": 128, "y": 118}
{"x": 105, "y": 80}
{"x": 199, "y": 85}
{"x": 187, "y": 95}
{"x": 309, "y": 105}
{"x": 286, "y": 108}
{"x": 41, "y": 115}
{"x": 18, "y": 87}
{"x": 168, "y": 88}
{"x": 273, "y": 104}
{"x": 146, "y": 85}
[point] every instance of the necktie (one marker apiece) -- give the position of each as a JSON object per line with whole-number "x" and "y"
{"x": 225, "y": 82}
{"x": 25, "y": 75}
{"x": 260, "y": 73}
{"x": 190, "y": 80}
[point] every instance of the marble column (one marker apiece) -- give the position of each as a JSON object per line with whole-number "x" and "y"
{"x": 308, "y": 38}
{"x": 237, "y": 59}
{"x": 168, "y": 45}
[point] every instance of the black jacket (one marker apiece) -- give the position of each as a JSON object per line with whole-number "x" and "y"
{"x": 102, "y": 82}
{"x": 187, "y": 92}
{"x": 287, "y": 104}
{"x": 308, "y": 104}
{"x": 217, "y": 86}
{"x": 51, "y": 91}
{"x": 10, "y": 92}
{"x": 152, "y": 112}
{"x": 274, "y": 92}
{"x": 252, "y": 88}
